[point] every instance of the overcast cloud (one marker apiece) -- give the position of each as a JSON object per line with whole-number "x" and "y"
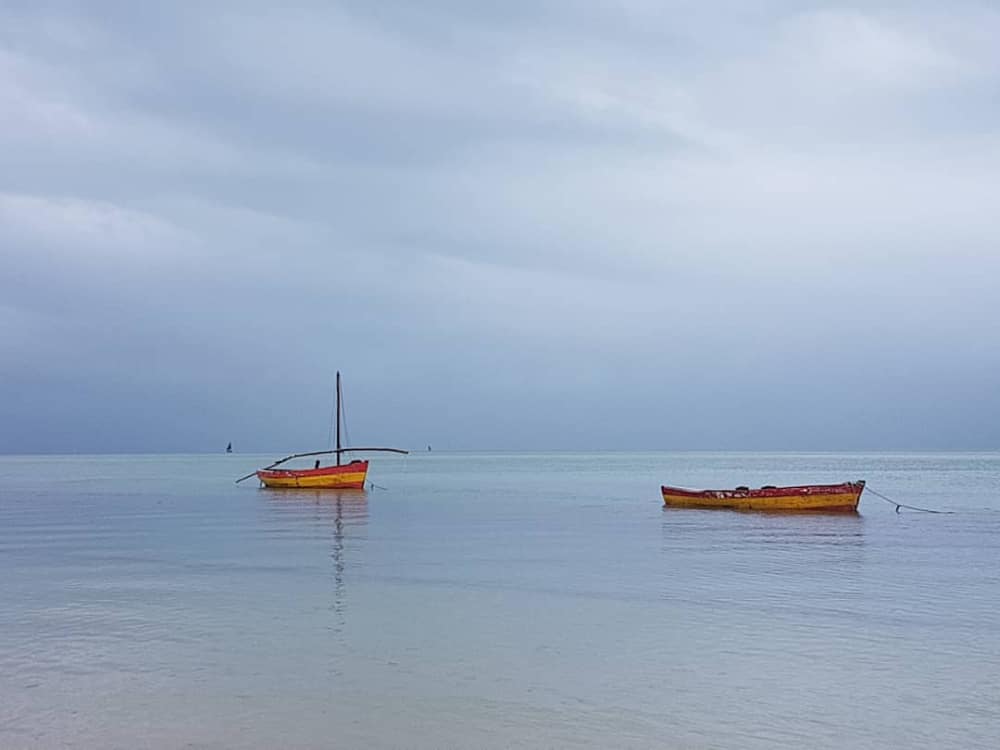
{"x": 624, "y": 224}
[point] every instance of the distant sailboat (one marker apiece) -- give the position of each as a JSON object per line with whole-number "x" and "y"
{"x": 341, "y": 476}
{"x": 229, "y": 448}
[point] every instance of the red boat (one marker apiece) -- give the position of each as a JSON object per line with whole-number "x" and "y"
{"x": 809, "y": 497}
{"x": 339, "y": 476}
{"x": 343, "y": 476}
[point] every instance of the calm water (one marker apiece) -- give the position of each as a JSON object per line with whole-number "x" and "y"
{"x": 491, "y": 601}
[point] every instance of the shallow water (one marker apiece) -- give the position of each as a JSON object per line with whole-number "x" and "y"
{"x": 496, "y": 600}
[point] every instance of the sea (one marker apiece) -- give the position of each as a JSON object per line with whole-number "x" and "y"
{"x": 497, "y": 600}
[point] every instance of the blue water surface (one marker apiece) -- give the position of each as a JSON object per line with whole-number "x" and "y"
{"x": 497, "y": 601}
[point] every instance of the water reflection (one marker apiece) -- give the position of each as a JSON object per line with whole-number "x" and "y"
{"x": 828, "y": 528}
{"x": 344, "y": 513}
{"x": 763, "y": 564}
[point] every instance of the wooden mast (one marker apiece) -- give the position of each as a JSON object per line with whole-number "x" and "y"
{"x": 338, "y": 417}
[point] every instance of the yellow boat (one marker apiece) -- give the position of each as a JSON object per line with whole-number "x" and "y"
{"x": 341, "y": 476}
{"x": 810, "y": 497}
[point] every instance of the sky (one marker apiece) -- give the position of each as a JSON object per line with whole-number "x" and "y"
{"x": 612, "y": 224}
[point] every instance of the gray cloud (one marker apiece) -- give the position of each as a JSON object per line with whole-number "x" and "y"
{"x": 624, "y": 224}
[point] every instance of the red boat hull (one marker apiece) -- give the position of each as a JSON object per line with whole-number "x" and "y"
{"x": 812, "y": 497}
{"x": 346, "y": 477}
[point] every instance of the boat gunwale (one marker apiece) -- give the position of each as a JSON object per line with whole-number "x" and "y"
{"x": 352, "y": 467}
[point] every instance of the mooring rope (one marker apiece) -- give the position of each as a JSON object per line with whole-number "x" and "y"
{"x": 904, "y": 505}
{"x": 374, "y": 486}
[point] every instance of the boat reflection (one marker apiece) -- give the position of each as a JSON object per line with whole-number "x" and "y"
{"x": 763, "y": 565}
{"x": 821, "y": 538}
{"x": 341, "y": 513}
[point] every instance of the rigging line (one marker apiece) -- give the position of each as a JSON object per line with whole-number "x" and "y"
{"x": 908, "y": 507}
{"x": 333, "y": 415}
{"x": 343, "y": 414}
